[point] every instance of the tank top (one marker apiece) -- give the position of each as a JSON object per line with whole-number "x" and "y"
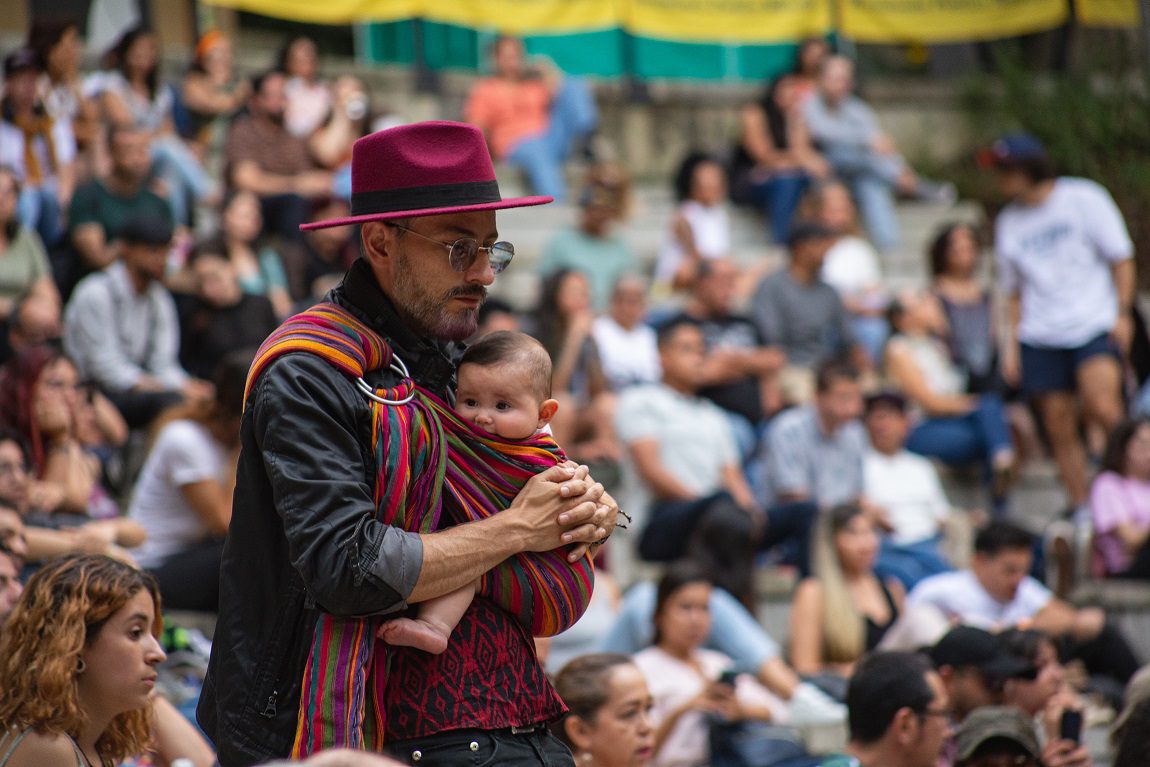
{"x": 874, "y": 631}
{"x": 10, "y": 741}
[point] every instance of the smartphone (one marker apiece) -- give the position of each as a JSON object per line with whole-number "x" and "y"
{"x": 728, "y": 677}
{"x": 1070, "y": 728}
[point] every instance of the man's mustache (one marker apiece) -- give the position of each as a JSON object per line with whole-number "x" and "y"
{"x": 468, "y": 291}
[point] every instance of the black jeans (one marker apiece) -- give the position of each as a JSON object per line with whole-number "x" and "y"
{"x": 140, "y": 408}
{"x": 190, "y": 579}
{"x": 720, "y": 535}
{"x": 477, "y": 748}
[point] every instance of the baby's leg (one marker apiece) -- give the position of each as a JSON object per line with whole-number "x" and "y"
{"x": 431, "y": 629}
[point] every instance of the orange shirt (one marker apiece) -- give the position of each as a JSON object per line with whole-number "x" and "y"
{"x": 508, "y": 111}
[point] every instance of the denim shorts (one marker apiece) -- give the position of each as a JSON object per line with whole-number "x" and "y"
{"x": 1048, "y": 369}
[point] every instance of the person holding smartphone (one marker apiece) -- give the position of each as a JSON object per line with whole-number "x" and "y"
{"x": 701, "y": 702}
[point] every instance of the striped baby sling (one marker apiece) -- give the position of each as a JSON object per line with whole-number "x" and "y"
{"x": 430, "y": 466}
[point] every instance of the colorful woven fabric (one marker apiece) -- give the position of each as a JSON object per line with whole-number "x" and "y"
{"x": 430, "y": 464}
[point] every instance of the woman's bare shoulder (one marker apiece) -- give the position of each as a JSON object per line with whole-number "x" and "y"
{"x": 37, "y": 749}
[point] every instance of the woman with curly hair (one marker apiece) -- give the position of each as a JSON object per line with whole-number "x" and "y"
{"x": 78, "y": 660}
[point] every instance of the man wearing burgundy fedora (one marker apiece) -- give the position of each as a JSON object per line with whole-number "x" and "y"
{"x": 304, "y": 539}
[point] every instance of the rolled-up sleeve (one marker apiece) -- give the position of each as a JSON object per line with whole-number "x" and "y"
{"x": 311, "y": 427}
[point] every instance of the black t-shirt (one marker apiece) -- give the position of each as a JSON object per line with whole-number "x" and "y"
{"x": 208, "y": 333}
{"x": 741, "y": 397}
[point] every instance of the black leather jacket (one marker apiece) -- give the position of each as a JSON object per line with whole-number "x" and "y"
{"x": 303, "y": 533}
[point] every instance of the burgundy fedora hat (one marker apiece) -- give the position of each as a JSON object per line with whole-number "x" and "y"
{"x": 422, "y": 169}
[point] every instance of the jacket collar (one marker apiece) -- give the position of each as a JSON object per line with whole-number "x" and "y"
{"x": 430, "y": 362}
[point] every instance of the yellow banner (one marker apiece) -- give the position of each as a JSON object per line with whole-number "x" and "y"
{"x": 944, "y": 21}
{"x": 1107, "y": 13}
{"x": 519, "y": 17}
{"x": 727, "y": 21}
{"x": 329, "y": 11}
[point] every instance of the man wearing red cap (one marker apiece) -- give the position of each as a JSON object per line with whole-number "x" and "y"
{"x": 305, "y": 541}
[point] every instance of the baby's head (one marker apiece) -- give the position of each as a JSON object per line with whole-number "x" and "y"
{"x": 505, "y": 385}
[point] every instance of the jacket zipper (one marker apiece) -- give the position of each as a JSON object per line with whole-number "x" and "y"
{"x": 269, "y": 711}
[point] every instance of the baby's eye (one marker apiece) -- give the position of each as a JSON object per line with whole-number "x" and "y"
{"x": 503, "y": 406}
{"x": 470, "y": 403}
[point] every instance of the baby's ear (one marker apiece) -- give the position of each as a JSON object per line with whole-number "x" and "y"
{"x": 547, "y": 412}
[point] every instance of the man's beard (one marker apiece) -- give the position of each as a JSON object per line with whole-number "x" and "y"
{"x": 429, "y": 316}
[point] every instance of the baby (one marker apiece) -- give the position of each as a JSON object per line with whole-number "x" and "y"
{"x": 505, "y": 389}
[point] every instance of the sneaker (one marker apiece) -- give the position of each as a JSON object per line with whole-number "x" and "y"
{"x": 938, "y": 192}
{"x": 810, "y": 705}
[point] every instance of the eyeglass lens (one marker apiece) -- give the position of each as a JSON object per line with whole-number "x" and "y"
{"x": 465, "y": 251}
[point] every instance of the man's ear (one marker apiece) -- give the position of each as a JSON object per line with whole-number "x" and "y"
{"x": 378, "y": 239}
{"x": 578, "y": 732}
{"x": 905, "y": 726}
{"x": 547, "y": 412}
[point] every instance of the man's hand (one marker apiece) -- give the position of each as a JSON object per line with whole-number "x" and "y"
{"x": 1065, "y": 753}
{"x": 556, "y": 507}
{"x": 196, "y": 389}
{"x": 1011, "y": 365}
{"x": 603, "y": 521}
{"x": 1122, "y": 334}
{"x": 883, "y": 144}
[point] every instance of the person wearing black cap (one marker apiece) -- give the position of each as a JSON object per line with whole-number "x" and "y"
{"x": 802, "y": 315}
{"x": 121, "y": 327}
{"x": 40, "y": 149}
{"x": 974, "y": 666}
{"x": 1065, "y": 260}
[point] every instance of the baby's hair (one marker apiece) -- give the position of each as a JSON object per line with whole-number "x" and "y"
{"x": 505, "y": 347}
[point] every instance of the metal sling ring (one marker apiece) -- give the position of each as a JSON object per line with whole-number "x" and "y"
{"x": 396, "y": 367}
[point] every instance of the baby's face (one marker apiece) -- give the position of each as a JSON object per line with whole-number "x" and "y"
{"x": 498, "y": 399}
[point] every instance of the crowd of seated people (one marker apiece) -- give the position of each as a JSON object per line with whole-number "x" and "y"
{"x": 800, "y": 417}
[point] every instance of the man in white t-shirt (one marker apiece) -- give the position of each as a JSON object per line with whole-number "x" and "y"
{"x": 905, "y": 490}
{"x": 997, "y": 593}
{"x": 680, "y": 450}
{"x": 1065, "y": 260}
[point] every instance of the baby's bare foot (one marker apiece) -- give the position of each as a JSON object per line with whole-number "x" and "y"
{"x": 413, "y": 632}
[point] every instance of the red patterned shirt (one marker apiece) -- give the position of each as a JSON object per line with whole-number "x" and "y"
{"x": 488, "y": 678}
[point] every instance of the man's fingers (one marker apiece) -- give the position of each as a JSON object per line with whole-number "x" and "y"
{"x": 588, "y": 533}
{"x": 578, "y": 552}
{"x": 591, "y": 494}
{"x": 560, "y": 472}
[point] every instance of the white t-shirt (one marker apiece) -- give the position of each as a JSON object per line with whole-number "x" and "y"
{"x": 184, "y": 453}
{"x": 12, "y": 149}
{"x": 1057, "y": 256}
{"x": 907, "y": 487}
{"x": 711, "y": 230}
{"x": 960, "y": 595}
{"x": 694, "y": 437}
{"x": 628, "y": 357}
{"x": 851, "y": 268}
{"x": 673, "y": 682}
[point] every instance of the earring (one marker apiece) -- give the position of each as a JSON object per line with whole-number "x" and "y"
{"x": 81, "y": 666}
{"x": 586, "y": 758}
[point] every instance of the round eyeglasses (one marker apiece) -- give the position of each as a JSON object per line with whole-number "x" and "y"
{"x": 462, "y": 253}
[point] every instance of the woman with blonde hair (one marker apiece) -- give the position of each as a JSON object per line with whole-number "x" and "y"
{"x": 845, "y": 609}
{"x": 78, "y": 660}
